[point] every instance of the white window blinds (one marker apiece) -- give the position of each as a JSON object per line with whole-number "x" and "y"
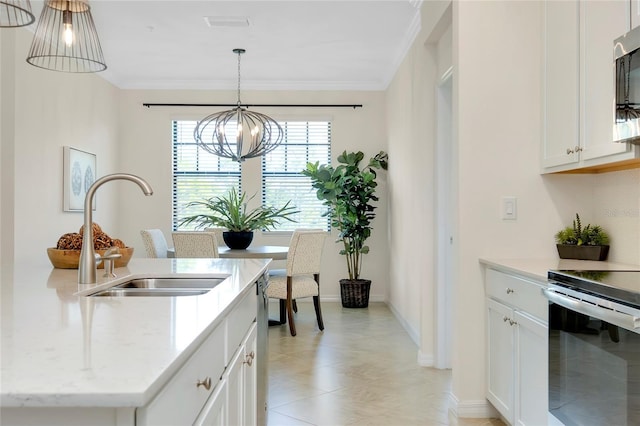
{"x": 305, "y": 141}
{"x": 197, "y": 174}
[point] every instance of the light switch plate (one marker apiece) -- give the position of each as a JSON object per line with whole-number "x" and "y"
{"x": 509, "y": 208}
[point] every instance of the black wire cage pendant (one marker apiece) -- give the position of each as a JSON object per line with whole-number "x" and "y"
{"x": 66, "y": 39}
{"x": 15, "y": 13}
{"x": 238, "y": 133}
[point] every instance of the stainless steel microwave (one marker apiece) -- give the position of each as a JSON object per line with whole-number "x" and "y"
{"x": 626, "y": 54}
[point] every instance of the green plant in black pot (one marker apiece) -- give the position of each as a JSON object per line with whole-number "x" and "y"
{"x": 349, "y": 192}
{"x": 230, "y": 212}
{"x": 590, "y": 242}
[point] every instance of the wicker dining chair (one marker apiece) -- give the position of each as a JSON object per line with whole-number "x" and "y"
{"x": 155, "y": 243}
{"x": 302, "y": 276}
{"x": 195, "y": 244}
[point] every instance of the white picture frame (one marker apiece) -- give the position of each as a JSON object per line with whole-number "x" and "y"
{"x": 79, "y": 174}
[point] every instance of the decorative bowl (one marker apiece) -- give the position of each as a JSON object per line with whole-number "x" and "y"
{"x": 69, "y": 259}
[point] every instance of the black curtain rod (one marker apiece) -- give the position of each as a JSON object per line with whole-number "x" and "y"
{"x": 258, "y": 105}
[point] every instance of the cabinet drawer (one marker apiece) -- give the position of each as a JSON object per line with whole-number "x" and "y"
{"x": 239, "y": 321}
{"x": 517, "y": 292}
{"x": 180, "y": 401}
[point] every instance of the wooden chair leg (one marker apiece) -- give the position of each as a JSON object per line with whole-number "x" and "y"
{"x": 295, "y": 306}
{"x": 316, "y": 304}
{"x": 292, "y": 325}
{"x": 283, "y": 311}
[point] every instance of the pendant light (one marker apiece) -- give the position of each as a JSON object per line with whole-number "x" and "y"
{"x": 66, "y": 39}
{"x": 238, "y": 133}
{"x": 15, "y": 13}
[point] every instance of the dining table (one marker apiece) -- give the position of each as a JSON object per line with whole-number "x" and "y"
{"x": 251, "y": 252}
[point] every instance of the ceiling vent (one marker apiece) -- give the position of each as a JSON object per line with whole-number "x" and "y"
{"x": 226, "y": 21}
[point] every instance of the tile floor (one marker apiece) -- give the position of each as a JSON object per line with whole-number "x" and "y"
{"x": 362, "y": 370}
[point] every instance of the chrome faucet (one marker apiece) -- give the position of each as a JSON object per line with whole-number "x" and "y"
{"x": 87, "y": 268}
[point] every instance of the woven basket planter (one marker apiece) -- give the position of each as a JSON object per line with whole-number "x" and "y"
{"x": 355, "y": 293}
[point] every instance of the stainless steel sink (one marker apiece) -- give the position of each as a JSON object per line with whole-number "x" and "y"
{"x": 152, "y": 287}
{"x": 146, "y": 292}
{"x": 177, "y": 283}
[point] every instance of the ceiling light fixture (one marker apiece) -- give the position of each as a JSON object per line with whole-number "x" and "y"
{"x": 15, "y": 13}
{"x": 66, "y": 39}
{"x": 228, "y": 133}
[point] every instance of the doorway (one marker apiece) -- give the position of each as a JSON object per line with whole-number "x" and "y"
{"x": 446, "y": 175}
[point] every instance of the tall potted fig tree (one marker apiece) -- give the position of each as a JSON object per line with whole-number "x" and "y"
{"x": 349, "y": 191}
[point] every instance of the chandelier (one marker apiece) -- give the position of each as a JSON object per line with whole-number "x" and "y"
{"x": 66, "y": 39}
{"x": 238, "y": 133}
{"x": 15, "y": 13}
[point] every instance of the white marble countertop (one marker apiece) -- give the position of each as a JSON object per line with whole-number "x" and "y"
{"x": 537, "y": 268}
{"x": 62, "y": 349}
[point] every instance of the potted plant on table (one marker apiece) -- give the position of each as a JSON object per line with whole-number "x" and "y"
{"x": 230, "y": 212}
{"x": 348, "y": 191}
{"x": 583, "y": 243}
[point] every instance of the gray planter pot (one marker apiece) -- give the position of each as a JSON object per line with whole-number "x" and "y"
{"x": 566, "y": 251}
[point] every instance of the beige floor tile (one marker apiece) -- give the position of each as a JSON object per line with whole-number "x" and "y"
{"x": 361, "y": 370}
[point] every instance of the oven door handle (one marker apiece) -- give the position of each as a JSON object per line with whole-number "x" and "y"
{"x": 612, "y": 317}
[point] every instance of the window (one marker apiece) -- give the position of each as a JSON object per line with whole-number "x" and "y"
{"x": 197, "y": 174}
{"x": 305, "y": 141}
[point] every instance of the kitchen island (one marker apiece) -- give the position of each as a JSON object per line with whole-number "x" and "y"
{"x": 71, "y": 359}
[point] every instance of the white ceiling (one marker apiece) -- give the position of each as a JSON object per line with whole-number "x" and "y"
{"x": 291, "y": 45}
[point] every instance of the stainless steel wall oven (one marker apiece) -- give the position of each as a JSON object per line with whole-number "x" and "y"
{"x": 594, "y": 347}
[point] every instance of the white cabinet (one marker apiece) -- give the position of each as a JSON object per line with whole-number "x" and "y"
{"x": 240, "y": 379}
{"x": 562, "y": 84}
{"x": 214, "y": 412}
{"x": 217, "y": 385}
{"x": 579, "y": 85}
{"x": 517, "y": 337}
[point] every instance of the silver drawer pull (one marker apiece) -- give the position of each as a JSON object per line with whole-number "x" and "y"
{"x": 249, "y": 358}
{"x": 206, "y": 383}
{"x": 510, "y": 290}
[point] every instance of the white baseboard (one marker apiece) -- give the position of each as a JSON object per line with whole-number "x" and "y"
{"x": 413, "y": 334}
{"x": 425, "y": 360}
{"x": 475, "y": 409}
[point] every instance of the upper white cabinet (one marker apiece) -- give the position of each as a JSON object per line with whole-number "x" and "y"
{"x": 579, "y": 84}
{"x": 561, "y": 83}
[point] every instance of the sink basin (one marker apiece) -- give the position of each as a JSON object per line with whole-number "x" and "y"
{"x": 146, "y": 292}
{"x": 171, "y": 283}
{"x": 153, "y": 287}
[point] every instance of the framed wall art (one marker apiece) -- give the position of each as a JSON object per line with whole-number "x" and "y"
{"x": 79, "y": 175}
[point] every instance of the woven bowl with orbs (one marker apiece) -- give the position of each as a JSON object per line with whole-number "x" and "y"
{"x": 69, "y": 259}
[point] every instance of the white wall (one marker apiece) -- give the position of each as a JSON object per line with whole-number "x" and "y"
{"x": 411, "y": 138}
{"x": 496, "y": 55}
{"x": 145, "y": 149}
{"x": 51, "y": 110}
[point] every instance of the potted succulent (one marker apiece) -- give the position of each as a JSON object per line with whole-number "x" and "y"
{"x": 230, "y": 212}
{"x": 583, "y": 243}
{"x": 348, "y": 191}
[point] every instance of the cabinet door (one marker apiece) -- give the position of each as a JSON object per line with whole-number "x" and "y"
{"x": 214, "y": 412}
{"x": 561, "y": 83}
{"x": 250, "y": 378}
{"x": 532, "y": 371}
{"x": 602, "y": 22}
{"x": 500, "y": 365}
{"x": 233, "y": 377}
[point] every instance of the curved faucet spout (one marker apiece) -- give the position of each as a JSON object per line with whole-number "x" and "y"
{"x": 88, "y": 264}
